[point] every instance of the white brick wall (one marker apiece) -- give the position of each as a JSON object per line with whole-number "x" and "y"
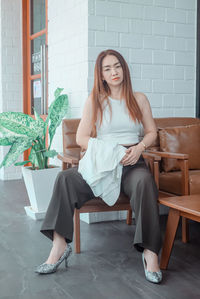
{"x": 159, "y": 44}
{"x": 10, "y": 69}
{"x": 68, "y": 55}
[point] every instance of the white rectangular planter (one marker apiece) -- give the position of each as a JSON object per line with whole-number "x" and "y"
{"x": 39, "y": 186}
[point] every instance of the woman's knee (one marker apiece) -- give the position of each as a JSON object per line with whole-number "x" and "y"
{"x": 140, "y": 182}
{"x": 143, "y": 177}
{"x": 64, "y": 176}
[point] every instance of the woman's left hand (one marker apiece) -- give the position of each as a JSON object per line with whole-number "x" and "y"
{"x": 132, "y": 155}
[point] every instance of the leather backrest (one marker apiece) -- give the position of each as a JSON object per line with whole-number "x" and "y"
{"x": 69, "y": 127}
{"x": 165, "y": 122}
{"x": 181, "y": 139}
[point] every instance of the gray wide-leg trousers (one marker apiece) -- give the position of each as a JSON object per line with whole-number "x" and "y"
{"x": 71, "y": 191}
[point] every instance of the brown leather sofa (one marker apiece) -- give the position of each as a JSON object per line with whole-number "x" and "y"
{"x": 178, "y": 145}
{"x": 178, "y": 138}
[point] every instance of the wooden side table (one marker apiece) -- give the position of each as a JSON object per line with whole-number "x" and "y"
{"x": 187, "y": 206}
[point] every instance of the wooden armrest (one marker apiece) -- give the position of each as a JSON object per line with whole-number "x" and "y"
{"x": 68, "y": 158}
{"x": 170, "y": 155}
{"x": 151, "y": 155}
{"x": 183, "y": 160}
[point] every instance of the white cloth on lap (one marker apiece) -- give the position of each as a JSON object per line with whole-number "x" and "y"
{"x": 100, "y": 167}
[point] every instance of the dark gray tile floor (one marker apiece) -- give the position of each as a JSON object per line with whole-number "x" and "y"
{"x": 108, "y": 266}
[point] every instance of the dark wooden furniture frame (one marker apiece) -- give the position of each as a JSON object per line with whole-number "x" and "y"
{"x": 186, "y": 206}
{"x": 183, "y": 162}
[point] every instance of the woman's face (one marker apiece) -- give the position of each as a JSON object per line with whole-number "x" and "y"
{"x": 112, "y": 71}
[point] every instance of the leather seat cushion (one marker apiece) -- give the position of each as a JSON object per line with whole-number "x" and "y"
{"x": 171, "y": 182}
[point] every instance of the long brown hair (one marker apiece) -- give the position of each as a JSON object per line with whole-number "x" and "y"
{"x": 101, "y": 90}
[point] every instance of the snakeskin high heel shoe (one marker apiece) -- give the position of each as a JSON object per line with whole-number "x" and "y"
{"x": 155, "y": 277}
{"x": 51, "y": 268}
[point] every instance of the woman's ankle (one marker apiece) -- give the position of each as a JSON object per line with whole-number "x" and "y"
{"x": 151, "y": 259}
{"x": 58, "y": 240}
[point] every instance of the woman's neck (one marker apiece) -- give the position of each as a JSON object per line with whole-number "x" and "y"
{"x": 116, "y": 92}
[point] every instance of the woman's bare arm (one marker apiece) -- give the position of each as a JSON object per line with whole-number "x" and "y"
{"x": 150, "y": 131}
{"x": 85, "y": 126}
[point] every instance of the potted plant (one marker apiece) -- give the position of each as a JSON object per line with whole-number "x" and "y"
{"x": 21, "y": 132}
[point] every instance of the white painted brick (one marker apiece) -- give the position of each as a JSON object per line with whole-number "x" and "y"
{"x": 93, "y": 52}
{"x": 91, "y": 38}
{"x": 142, "y": 85}
{"x": 191, "y": 17}
{"x": 91, "y": 7}
{"x": 140, "y": 56}
{"x": 108, "y": 38}
{"x": 184, "y": 30}
{"x": 188, "y": 112}
{"x": 173, "y": 72}
{"x": 186, "y": 4}
{"x": 170, "y": 100}
{"x": 152, "y": 71}
{"x": 165, "y": 112}
{"x": 163, "y": 57}
{"x": 189, "y": 73}
{"x": 135, "y": 70}
{"x": 117, "y": 24}
{"x": 91, "y": 65}
{"x": 96, "y": 22}
{"x": 154, "y": 13}
{"x": 141, "y": 27}
{"x": 168, "y": 3}
{"x": 131, "y": 40}
{"x": 190, "y": 44}
{"x": 123, "y": 51}
{"x": 121, "y": 1}
{"x": 177, "y": 44}
{"x": 189, "y": 100}
{"x": 107, "y": 8}
{"x": 176, "y": 15}
{"x": 183, "y": 86}
{"x": 142, "y": 2}
{"x": 163, "y": 86}
{"x": 155, "y": 99}
{"x": 162, "y": 28}
{"x": 153, "y": 42}
{"x": 131, "y": 11}
{"x": 182, "y": 58}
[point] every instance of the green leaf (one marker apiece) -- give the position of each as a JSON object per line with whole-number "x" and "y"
{"x": 21, "y": 163}
{"x": 17, "y": 148}
{"x": 58, "y": 110}
{"x": 7, "y": 140}
{"x": 6, "y": 133}
{"x": 20, "y": 123}
{"x": 32, "y": 157}
{"x": 57, "y": 92}
{"x": 50, "y": 154}
{"x": 38, "y": 118}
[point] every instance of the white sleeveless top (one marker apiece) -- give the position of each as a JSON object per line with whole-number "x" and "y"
{"x": 120, "y": 127}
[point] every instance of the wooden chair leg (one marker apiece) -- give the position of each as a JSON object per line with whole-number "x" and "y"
{"x": 172, "y": 225}
{"x": 185, "y": 230}
{"x": 129, "y": 217}
{"x": 77, "y": 231}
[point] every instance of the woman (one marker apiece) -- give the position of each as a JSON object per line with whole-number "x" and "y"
{"x": 111, "y": 95}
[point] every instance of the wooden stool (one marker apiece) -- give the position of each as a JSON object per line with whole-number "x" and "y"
{"x": 187, "y": 206}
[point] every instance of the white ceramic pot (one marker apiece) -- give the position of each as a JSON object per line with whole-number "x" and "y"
{"x": 39, "y": 185}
